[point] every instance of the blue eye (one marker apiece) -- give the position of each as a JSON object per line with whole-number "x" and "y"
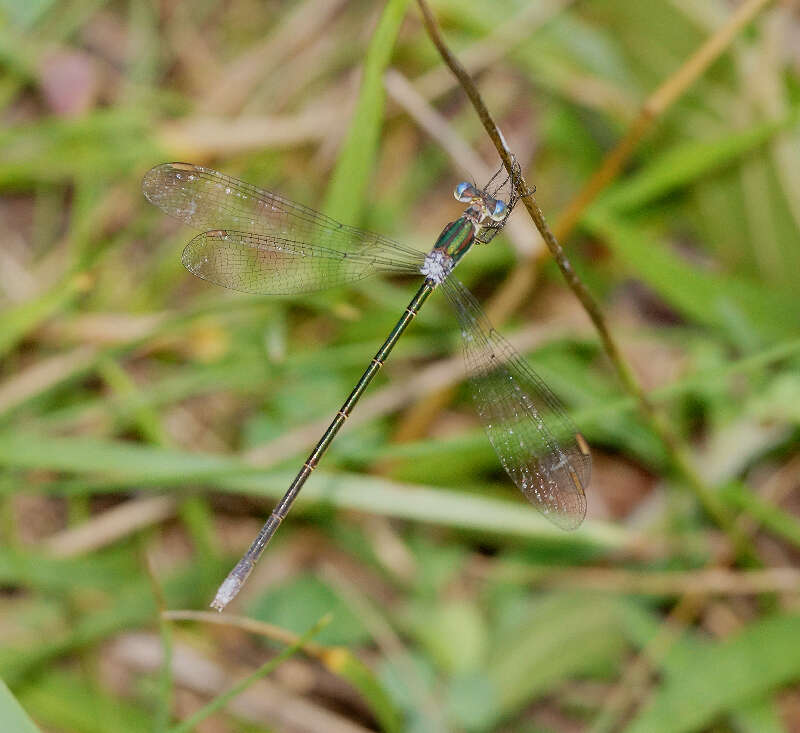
{"x": 465, "y": 192}
{"x": 498, "y": 212}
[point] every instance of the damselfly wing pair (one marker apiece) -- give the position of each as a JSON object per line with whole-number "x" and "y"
{"x": 256, "y": 241}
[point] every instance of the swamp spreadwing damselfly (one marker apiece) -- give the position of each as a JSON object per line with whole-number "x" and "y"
{"x": 256, "y": 241}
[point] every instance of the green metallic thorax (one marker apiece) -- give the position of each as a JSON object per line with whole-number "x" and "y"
{"x": 456, "y": 238}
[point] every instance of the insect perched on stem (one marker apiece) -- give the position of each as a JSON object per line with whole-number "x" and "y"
{"x": 259, "y": 242}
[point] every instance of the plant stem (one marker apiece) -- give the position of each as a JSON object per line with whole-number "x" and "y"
{"x": 223, "y": 699}
{"x": 678, "y": 451}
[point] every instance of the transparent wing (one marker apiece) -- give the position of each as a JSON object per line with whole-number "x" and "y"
{"x": 539, "y": 447}
{"x": 206, "y": 199}
{"x": 259, "y": 263}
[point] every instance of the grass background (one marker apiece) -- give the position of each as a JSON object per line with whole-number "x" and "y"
{"x": 148, "y": 420}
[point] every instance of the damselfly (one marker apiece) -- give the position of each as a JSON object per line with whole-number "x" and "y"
{"x": 259, "y": 242}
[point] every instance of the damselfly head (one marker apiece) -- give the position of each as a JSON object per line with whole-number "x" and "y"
{"x": 482, "y": 205}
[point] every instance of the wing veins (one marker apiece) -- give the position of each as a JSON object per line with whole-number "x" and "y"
{"x": 506, "y": 391}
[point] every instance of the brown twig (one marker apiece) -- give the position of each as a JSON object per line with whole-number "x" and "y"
{"x": 677, "y": 450}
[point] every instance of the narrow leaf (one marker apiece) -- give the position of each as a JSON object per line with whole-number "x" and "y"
{"x": 12, "y": 716}
{"x": 347, "y": 190}
{"x": 741, "y": 307}
{"x": 711, "y": 680}
{"x": 684, "y": 164}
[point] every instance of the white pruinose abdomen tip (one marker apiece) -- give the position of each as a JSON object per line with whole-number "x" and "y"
{"x": 437, "y": 266}
{"x": 226, "y": 593}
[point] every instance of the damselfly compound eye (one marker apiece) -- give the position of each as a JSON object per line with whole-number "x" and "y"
{"x": 498, "y": 211}
{"x": 465, "y": 192}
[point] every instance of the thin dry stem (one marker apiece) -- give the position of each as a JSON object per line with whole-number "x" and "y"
{"x": 240, "y": 79}
{"x": 677, "y": 450}
{"x": 712, "y": 580}
{"x": 462, "y": 156}
{"x": 111, "y": 526}
{"x": 42, "y": 375}
{"x": 206, "y": 137}
{"x": 262, "y": 628}
{"x": 264, "y": 702}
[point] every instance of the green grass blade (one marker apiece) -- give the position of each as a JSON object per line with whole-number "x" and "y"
{"x": 347, "y": 191}
{"x": 12, "y": 716}
{"x": 745, "y": 309}
{"x": 704, "y": 682}
{"x": 684, "y": 164}
{"x": 129, "y": 605}
{"x": 133, "y": 461}
{"x": 761, "y": 716}
{"x": 338, "y": 659}
{"x": 128, "y": 464}
{"x": 33, "y": 570}
{"x": 20, "y": 319}
{"x": 557, "y": 641}
{"x": 345, "y": 664}
{"x": 65, "y": 702}
{"x": 770, "y": 516}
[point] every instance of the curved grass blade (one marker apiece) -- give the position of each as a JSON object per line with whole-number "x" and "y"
{"x": 12, "y": 715}
{"x": 539, "y": 447}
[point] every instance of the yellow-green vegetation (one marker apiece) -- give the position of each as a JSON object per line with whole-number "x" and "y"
{"x": 148, "y": 420}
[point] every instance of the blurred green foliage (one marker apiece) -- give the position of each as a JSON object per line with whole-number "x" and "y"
{"x": 123, "y": 379}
